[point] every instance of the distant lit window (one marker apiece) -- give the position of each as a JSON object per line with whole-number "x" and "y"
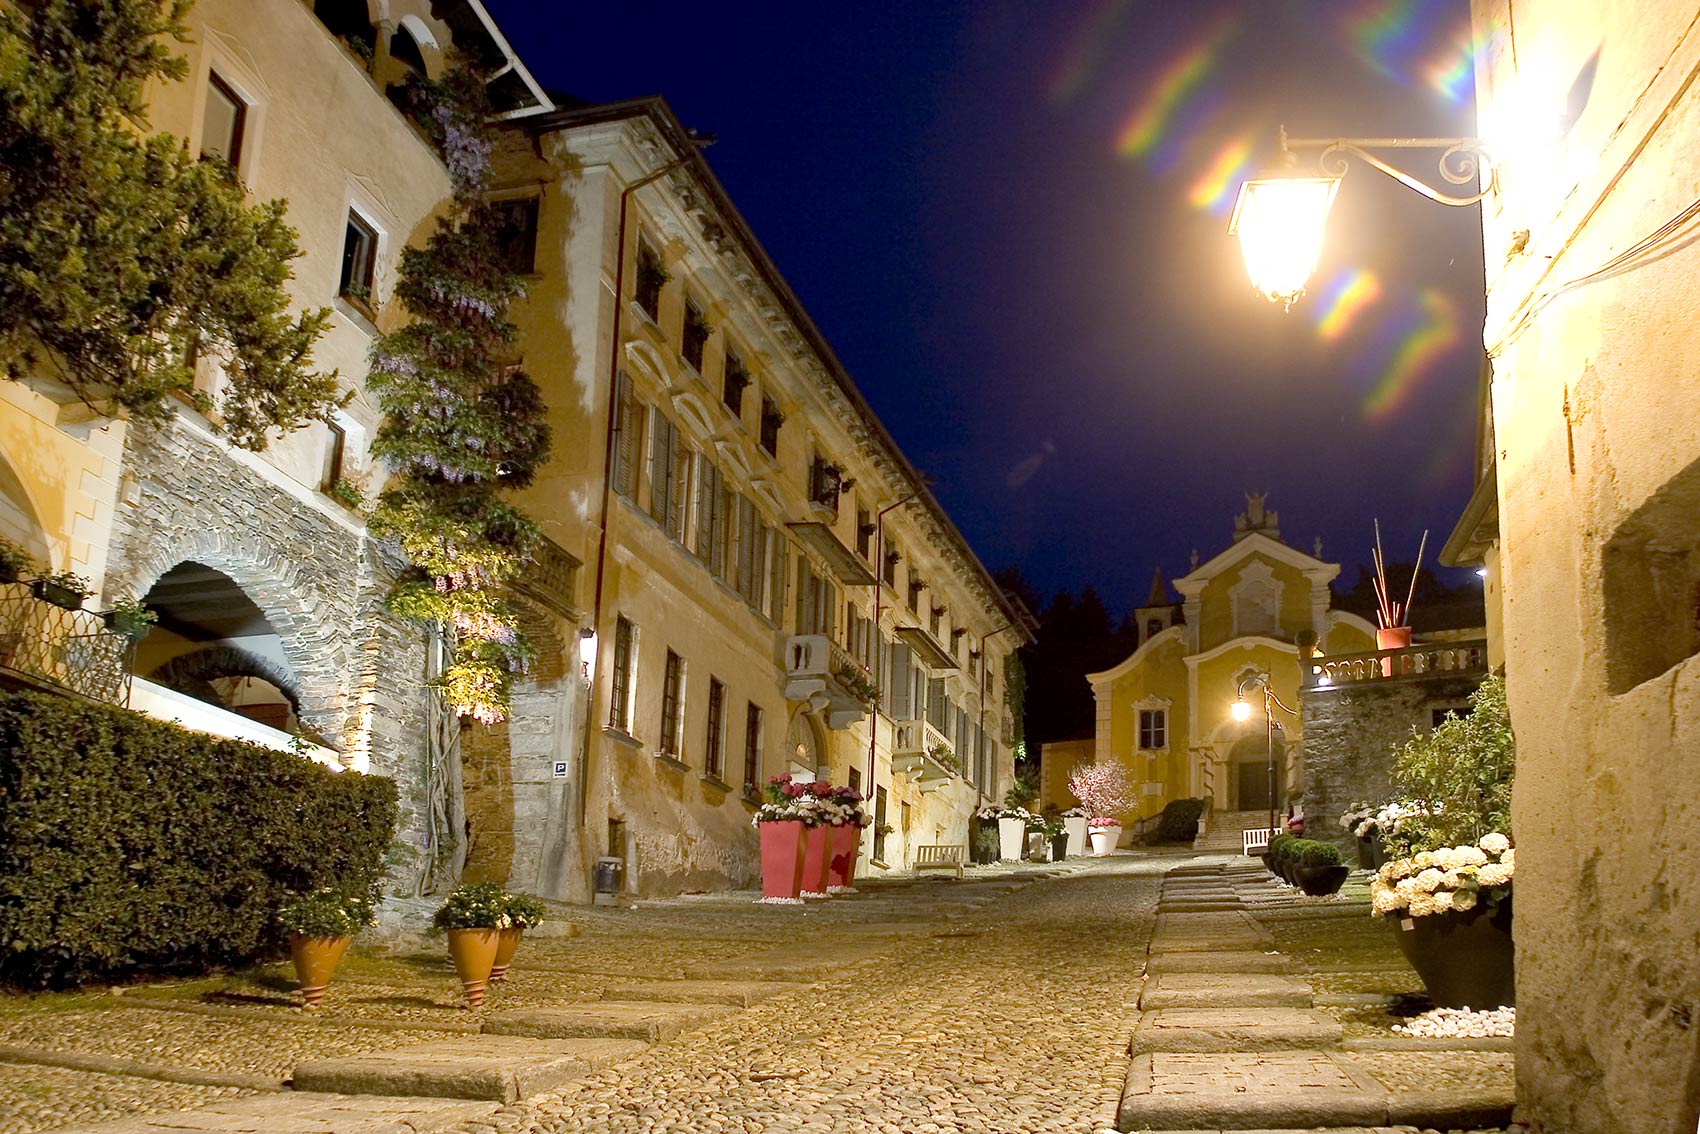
{"x": 1153, "y": 729}
{"x": 223, "y": 122}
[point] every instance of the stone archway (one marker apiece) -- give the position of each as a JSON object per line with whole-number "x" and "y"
{"x": 193, "y": 674}
{"x": 20, "y": 520}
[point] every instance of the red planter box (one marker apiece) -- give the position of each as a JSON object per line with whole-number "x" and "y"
{"x": 816, "y": 859}
{"x": 782, "y": 848}
{"x": 843, "y": 847}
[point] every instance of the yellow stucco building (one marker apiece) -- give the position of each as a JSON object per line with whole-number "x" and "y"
{"x": 1165, "y": 712}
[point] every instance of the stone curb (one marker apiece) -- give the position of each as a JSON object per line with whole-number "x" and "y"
{"x": 136, "y": 1069}
{"x": 654, "y": 1021}
{"x": 1220, "y": 962}
{"x": 1228, "y": 1029}
{"x": 1431, "y": 1043}
{"x": 493, "y": 1068}
{"x": 291, "y": 1113}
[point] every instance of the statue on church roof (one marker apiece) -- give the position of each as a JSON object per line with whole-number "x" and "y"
{"x": 1256, "y": 518}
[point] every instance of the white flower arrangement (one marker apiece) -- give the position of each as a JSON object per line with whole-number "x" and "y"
{"x": 1368, "y": 822}
{"x": 993, "y": 811}
{"x": 1451, "y": 878}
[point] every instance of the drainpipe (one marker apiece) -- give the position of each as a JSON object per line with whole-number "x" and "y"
{"x": 608, "y": 471}
{"x": 879, "y": 636}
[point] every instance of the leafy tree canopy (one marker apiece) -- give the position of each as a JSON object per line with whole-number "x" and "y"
{"x": 123, "y": 258}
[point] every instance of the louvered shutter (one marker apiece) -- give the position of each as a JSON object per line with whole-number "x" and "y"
{"x": 681, "y": 492}
{"x": 746, "y": 548}
{"x": 626, "y": 429}
{"x": 660, "y": 465}
{"x": 902, "y": 686}
{"x": 776, "y": 589}
{"x": 708, "y": 487}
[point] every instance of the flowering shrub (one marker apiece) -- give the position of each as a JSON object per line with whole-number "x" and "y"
{"x": 525, "y": 911}
{"x": 1355, "y": 815}
{"x": 1389, "y": 820}
{"x": 1104, "y": 787}
{"x": 1463, "y": 770}
{"x": 474, "y": 905}
{"x": 1451, "y": 878}
{"x": 1104, "y": 822}
{"x": 327, "y": 912}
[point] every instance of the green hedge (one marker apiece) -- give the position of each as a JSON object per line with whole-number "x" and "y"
{"x": 1304, "y": 852}
{"x": 1179, "y": 821}
{"x": 128, "y": 844}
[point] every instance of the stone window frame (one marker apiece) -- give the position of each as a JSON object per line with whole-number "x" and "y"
{"x": 1145, "y": 705}
{"x": 621, "y": 688}
{"x": 714, "y": 741}
{"x": 671, "y": 741}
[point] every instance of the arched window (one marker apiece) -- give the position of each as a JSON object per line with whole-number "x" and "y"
{"x": 404, "y": 49}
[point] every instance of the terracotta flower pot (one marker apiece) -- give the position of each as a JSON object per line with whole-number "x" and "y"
{"x": 844, "y": 847}
{"x": 1391, "y": 638}
{"x": 506, "y": 943}
{"x": 474, "y": 954}
{"x": 1465, "y": 957}
{"x": 782, "y": 847}
{"x": 316, "y": 959}
{"x": 815, "y": 860}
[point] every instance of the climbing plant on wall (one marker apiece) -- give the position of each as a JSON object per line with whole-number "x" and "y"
{"x": 463, "y": 424}
{"x": 123, "y": 258}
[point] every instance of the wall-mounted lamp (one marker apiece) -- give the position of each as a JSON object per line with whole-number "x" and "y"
{"x": 587, "y": 651}
{"x": 1280, "y": 218}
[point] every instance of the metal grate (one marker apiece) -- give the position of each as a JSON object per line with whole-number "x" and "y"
{"x": 70, "y": 649}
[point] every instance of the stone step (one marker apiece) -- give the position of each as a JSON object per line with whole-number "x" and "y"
{"x": 651, "y": 1020}
{"x": 1309, "y": 1089}
{"x": 1223, "y": 990}
{"x": 500, "y": 1068}
{"x": 1233, "y": 1029}
{"x": 1220, "y": 962}
{"x": 303, "y": 1113}
{"x": 738, "y": 993}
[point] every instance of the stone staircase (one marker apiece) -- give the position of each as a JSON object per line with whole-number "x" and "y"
{"x": 1223, "y": 831}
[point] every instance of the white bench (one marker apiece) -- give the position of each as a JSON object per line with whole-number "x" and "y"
{"x": 938, "y": 858}
{"x": 1258, "y": 840}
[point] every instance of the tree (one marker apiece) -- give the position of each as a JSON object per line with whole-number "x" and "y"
{"x": 122, "y": 258}
{"x": 463, "y": 424}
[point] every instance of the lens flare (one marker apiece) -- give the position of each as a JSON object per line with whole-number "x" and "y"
{"x": 1152, "y": 120}
{"x": 1086, "y": 53}
{"x": 1386, "y": 35}
{"x": 1343, "y": 299}
{"x": 1435, "y": 332}
{"x": 1213, "y": 190}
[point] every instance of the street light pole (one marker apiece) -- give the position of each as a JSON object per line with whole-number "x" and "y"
{"x": 1242, "y": 711}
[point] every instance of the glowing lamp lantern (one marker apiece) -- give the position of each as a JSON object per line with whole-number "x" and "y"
{"x": 587, "y": 651}
{"x": 1242, "y": 710}
{"x": 1280, "y": 221}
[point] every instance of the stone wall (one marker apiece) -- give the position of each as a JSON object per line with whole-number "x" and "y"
{"x": 1353, "y": 731}
{"x": 319, "y": 581}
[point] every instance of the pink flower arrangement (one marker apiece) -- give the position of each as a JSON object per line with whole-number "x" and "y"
{"x": 1102, "y": 822}
{"x": 1105, "y": 789}
{"x": 815, "y": 803}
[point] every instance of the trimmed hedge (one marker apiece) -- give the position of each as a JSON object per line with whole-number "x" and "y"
{"x": 1304, "y": 852}
{"x": 1179, "y": 821}
{"x": 128, "y": 844}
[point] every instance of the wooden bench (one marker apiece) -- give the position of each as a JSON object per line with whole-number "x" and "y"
{"x": 938, "y": 858}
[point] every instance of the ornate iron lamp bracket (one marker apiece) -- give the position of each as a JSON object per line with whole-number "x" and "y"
{"x": 1462, "y": 160}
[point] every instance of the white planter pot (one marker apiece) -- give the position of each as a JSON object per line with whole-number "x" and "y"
{"x": 1104, "y": 839}
{"x": 1076, "y": 829}
{"x": 1011, "y": 834}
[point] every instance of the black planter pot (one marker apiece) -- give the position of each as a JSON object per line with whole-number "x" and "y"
{"x": 1366, "y": 854}
{"x": 1464, "y": 957}
{"x": 63, "y": 597}
{"x": 1320, "y": 881}
{"x": 1269, "y": 863}
{"x": 1059, "y": 847}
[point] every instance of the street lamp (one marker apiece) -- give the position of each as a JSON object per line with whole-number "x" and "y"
{"x": 1280, "y": 218}
{"x": 1241, "y": 711}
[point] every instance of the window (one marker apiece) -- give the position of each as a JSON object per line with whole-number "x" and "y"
{"x": 336, "y": 440}
{"x": 938, "y": 706}
{"x": 628, "y": 437}
{"x": 879, "y": 824}
{"x": 752, "y": 749}
{"x": 650, "y": 278}
{"x": 669, "y": 470}
{"x": 771, "y": 420}
{"x": 732, "y": 388}
{"x": 864, "y": 533}
{"x": 404, "y": 49}
{"x": 620, "y": 693}
{"x": 856, "y": 780}
{"x": 672, "y": 740}
{"x": 714, "y": 752}
{"x": 935, "y": 620}
{"x": 359, "y": 261}
{"x": 710, "y": 538}
{"x": 694, "y": 337}
{"x": 515, "y": 222}
{"x": 859, "y": 636}
{"x": 776, "y": 585}
{"x": 747, "y": 541}
{"x": 817, "y": 601}
{"x": 1153, "y": 729}
{"x": 916, "y": 586}
{"x": 888, "y": 570}
{"x": 223, "y": 122}
{"x": 825, "y": 481}
{"x": 1153, "y": 627}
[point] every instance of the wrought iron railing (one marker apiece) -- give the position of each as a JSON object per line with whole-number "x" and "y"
{"x": 1425, "y": 660}
{"x": 70, "y": 649}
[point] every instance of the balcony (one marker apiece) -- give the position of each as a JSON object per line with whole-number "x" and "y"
{"x": 49, "y": 647}
{"x": 1430, "y": 659}
{"x": 823, "y": 673}
{"x": 921, "y": 752}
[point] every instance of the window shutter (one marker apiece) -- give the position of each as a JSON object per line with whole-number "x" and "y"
{"x": 681, "y": 491}
{"x": 626, "y": 436}
{"x": 746, "y": 548}
{"x": 776, "y": 589}
{"x": 805, "y": 596}
{"x": 708, "y": 487}
{"x": 660, "y": 464}
{"x": 902, "y": 687}
{"x": 717, "y": 530}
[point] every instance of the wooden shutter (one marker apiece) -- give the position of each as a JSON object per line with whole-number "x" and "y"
{"x": 681, "y": 491}
{"x": 902, "y": 688}
{"x": 776, "y": 586}
{"x": 660, "y": 464}
{"x": 626, "y": 436}
{"x": 745, "y": 583}
{"x": 708, "y": 487}
{"x": 717, "y": 528}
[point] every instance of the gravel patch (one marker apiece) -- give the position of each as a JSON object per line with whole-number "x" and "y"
{"x": 41, "y": 1098}
{"x": 1438, "y": 1072}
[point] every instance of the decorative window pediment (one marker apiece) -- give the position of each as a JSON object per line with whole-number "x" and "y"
{"x": 1256, "y": 599}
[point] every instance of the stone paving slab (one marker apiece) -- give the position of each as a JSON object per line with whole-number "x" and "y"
{"x": 1200, "y": 905}
{"x": 802, "y": 962}
{"x": 738, "y": 993}
{"x": 654, "y": 1020}
{"x": 1220, "y": 990}
{"x": 495, "y": 1067}
{"x": 1254, "y": 961}
{"x": 302, "y": 1114}
{"x": 1233, "y": 1029}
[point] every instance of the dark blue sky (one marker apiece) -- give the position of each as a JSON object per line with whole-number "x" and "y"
{"x": 1010, "y": 220}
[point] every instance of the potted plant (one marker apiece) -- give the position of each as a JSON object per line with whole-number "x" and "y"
{"x": 524, "y": 911}
{"x": 1106, "y": 790}
{"x": 779, "y": 824}
{"x": 845, "y": 842}
{"x": 473, "y": 916}
{"x": 64, "y": 589}
{"x": 14, "y": 562}
{"x": 321, "y": 925}
{"x": 130, "y": 619}
{"x": 1056, "y": 834}
{"x": 1074, "y": 826}
{"x": 1447, "y": 888}
{"x": 1319, "y": 869}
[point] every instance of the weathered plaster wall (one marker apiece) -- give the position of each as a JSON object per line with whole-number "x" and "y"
{"x": 1596, "y": 403}
{"x": 1351, "y": 735}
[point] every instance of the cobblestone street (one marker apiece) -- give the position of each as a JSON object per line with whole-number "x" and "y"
{"x": 1005, "y": 1002}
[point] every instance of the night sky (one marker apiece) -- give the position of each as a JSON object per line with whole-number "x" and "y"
{"x": 1010, "y": 221}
